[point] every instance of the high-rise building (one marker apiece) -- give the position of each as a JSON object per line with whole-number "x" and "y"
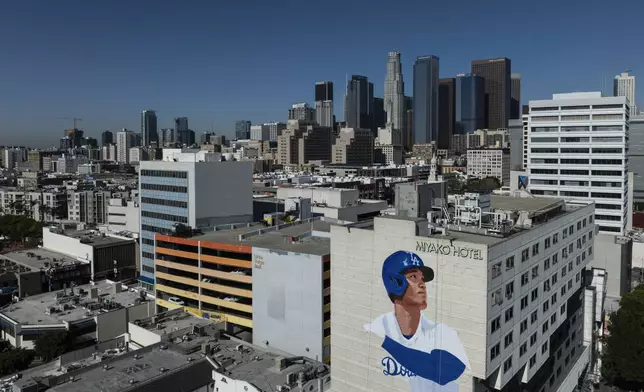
{"x": 624, "y": 86}
{"x": 577, "y": 150}
{"x": 167, "y": 137}
{"x": 379, "y": 114}
{"x": 408, "y": 135}
{"x": 124, "y": 141}
{"x": 515, "y": 96}
{"x": 408, "y": 120}
{"x": 324, "y": 113}
{"x": 184, "y": 193}
{"x": 498, "y": 90}
{"x": 358, "y": 103}
{"x": 242, "y": 129}
{"x": 107, "y": 137}
{"x": 470, "y": 104}
{"x": 394, "y": 99}
{"x": 149, "y": 132}
{"x": 425, "y": 99}
{"x": 260, "y": 132}
{"x": 301, "y": 111}
{"x": 180, "y": 124}
{"x": 324, "y": 104}
{"x": 353, "y": 147}
{"x": 275, "y": 129}
{"x": 323, "y": 91}
{"x": 447, "y": 112}
{"x": 636, "y": 156}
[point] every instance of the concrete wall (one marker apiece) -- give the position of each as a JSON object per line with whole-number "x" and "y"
{"x": 221, "y": 190}
{"x": 616, "y": 260}
{"x": 287, "y": 302}
{"x": 142, "y": 336}
{"x": 331, "y": 197}
{"x": 111, "y": 324}
{"x": 67, "y": 245}
{"x": 457, "y": 297}
{"x": 141, "y": 311}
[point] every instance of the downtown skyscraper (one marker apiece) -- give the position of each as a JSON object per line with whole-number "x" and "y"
{"x": 425, "y": 115}
{"x": 149, "y": 132}
{"x": 498, "y": 90}
{"x": 394, "y": 91}
{"x": 324, "y": 104}
{"x": 358, "y": 103}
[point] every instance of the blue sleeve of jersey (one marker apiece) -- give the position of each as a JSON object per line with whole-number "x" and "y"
{"x": 438, "y": 366}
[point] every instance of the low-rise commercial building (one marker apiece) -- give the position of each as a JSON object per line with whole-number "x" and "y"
{"x": 340, "y": 204}
{"x": 96, "y": 312}
{"x": 107, "y": 256}
{"x": 202, "y": 359}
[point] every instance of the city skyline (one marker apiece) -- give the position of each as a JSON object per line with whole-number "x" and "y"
{"x": 98, "y": 75}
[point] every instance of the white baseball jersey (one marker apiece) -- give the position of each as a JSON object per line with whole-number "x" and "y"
{"x": 429, "y": 336}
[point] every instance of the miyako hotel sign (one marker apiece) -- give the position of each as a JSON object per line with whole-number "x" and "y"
{"x": 448, "y": 250}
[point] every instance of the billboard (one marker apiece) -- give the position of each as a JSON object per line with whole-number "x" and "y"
{"x": 429, "y": 354}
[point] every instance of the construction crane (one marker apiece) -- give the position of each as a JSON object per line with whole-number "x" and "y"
{"x": 74, "y": 119}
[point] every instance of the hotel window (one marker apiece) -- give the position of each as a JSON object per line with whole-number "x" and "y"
{"x": 496, "y": 324}
{"x": 525, "y": 254}
{"x": 507, "y": 340}
{"x": 546, "y": 243}
{"x": 533, "y": 317}
{"x": 507, "y": 365}
{"x": 509, "y": 313}
{"x": 495, "y": 351}
{"x": 535, "y": 249}
{"x": 509, "y": 263}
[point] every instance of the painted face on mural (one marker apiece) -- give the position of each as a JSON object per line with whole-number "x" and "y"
{"x": 416, "y": 293}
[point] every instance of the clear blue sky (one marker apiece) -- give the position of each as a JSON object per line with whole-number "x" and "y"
{"x": 106, "y": 61}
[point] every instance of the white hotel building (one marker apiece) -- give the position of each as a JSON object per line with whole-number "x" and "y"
{"x": 577, "y": 150}
{"x": 513, "y": 292}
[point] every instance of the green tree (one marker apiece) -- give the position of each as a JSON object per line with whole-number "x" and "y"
{"x": 623, "y": 358}
{"x": 15, "y": 360}
{"x": 487, "y": 184}
{"x": 49, "y": 346}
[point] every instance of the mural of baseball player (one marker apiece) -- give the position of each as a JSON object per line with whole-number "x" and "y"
{"x": 428, "y": 353}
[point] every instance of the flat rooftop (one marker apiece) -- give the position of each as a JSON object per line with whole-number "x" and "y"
{"x": 276, "y": 239}
{"x": 95, "y": 239}
{"x": 170, "y": 321}
{"x": 160, "y": 364}
{"x": 33, "y": 310}
{"x": 530, "y": 207}
{"x": 39, "y": 258}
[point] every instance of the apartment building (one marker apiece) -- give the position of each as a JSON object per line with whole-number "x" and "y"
{"x": 88, "y": 206}
{"x": 577, "y": 149}
{"x": 189, "y": 191}
{"x": 44, "y": 205}
{"x": 507, "y": 296}
{"x": 489, "y": 162}
{"x": 273, "y": 283}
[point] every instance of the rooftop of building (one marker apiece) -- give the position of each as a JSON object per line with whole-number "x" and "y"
{"x": 39, "y": 258}
{"x": 277, "y": 237}
{"x": 94, "y": 238}
{"x": 193, "y": 357}
{"x": 167, "y": 322}
{"x": 526, "y": 213}
{"x": 70, "y": 304}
